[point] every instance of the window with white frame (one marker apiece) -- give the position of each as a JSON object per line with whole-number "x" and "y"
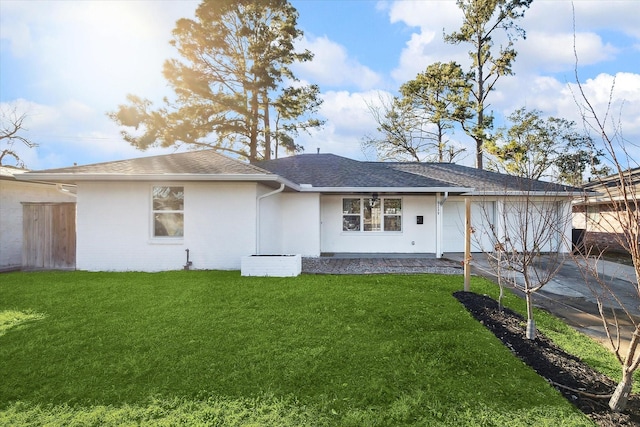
{"x": 371, "y": 214}
{"x": 168, "y": 211}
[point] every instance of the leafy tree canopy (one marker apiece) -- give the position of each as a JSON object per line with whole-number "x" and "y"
{"x": 542, "y": 148}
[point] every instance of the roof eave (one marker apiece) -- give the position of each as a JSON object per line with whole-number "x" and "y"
{"x": 417, "y": 190}
{"x": 527, "y": 193}
{"x": 62, "y": 177}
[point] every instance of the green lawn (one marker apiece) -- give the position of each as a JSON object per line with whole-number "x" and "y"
{"x": 215, "y": 348}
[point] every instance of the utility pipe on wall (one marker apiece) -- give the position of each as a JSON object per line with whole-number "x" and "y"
{"x": 440, "y": 222}
{"x": 274, "y": 192}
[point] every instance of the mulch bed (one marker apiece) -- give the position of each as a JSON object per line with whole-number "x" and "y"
{"x": 577, "y": 382}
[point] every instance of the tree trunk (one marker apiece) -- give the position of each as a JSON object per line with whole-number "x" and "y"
{"x": 440, "y": 143}
{"x": 267, "y": 127}
{"x": 618, "y": 401}
{"x": 479, "y": 133}
{"x": 531, "y": 324}
{"x": 253, "y": 127}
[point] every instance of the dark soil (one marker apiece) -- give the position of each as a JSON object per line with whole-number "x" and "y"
{"x": 586, "y": 388}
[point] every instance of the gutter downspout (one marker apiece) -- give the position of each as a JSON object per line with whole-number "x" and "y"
{"x": 440, "y": 222}
{"x": 274, "y": 192}
{"x": 62, "y": 190}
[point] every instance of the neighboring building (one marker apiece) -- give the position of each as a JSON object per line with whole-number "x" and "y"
{"x": 144, "y": 214}
{"x": 598, "y": 212}
{"x": 13, "y": 194}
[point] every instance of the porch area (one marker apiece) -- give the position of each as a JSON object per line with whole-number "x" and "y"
{"x": 363, "y": 263}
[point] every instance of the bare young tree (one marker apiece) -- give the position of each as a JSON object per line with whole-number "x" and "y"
{"x": 620, "y": 190}
{"x": 11, "y": 128}
{"x": 527, "y": 237}
{"x": 622, "y": 221}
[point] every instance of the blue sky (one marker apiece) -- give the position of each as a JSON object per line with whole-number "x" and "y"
{"x": 65, "y": 64}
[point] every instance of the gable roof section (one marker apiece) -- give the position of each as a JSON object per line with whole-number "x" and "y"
{"x": 331, "y": 173}
{"x": 199, "y": 165}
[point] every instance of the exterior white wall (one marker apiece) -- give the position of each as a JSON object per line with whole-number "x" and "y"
{"x": 453, "y": 232}
{"x": 271, "y": 224}
{"x": 290, "y": 224}
{"x": 114, "y": 227}
{"x": 539, "y": 223}
{"x": 548, "y": 218}
{"x": 414, "y": 238}
{"x": 301, "y": 219}
{"x": 12, "y": 194}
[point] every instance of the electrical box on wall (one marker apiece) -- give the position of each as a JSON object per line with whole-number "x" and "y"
{"x": 420, "y": 219}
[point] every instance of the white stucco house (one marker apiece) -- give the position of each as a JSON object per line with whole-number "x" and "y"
{"x": 143, "y": 214}
{"x": 13, "y": 194}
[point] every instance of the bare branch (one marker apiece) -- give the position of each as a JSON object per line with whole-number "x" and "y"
{"x": 11, "y": 128}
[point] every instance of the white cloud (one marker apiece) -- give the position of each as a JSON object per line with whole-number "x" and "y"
{"x": 331, "y": 65}
{"x": 429, "y": 15}
{"x": 349, "y": 110}
{"x": 426, "y": 45}
{"x": 554, "y": 52}
{"x": 617, "y": 99}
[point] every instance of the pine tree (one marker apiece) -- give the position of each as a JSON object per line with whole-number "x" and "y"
{"x": 234, "y": 66}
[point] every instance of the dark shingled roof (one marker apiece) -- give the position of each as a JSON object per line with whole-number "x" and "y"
{"x": 481, "y": 180}
{"x": 329, "y": 170}
{"x": 203, "y": 162}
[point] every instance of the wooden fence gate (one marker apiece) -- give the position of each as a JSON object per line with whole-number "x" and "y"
{"x": 48, "y": 235}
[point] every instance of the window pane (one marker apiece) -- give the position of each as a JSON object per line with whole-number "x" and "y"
{"x": 168, "y": 225}
{"x": 392, "y": 206}
{"x": 168, "y": 198}
{"x": 351, "y": 223}
{"x": 392, "y": 223}
{"x": 350, "y": 206}
{"x": 372, "y": 213}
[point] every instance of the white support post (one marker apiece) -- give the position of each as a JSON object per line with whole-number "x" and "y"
{"x": 439, "y": 226}
{"x": 467, "y": 244}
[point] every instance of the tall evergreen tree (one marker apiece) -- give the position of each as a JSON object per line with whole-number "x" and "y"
{"x": 440, "y": 95}
{"x": 483, "y": 20}
{"x": 235, "y": 63}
